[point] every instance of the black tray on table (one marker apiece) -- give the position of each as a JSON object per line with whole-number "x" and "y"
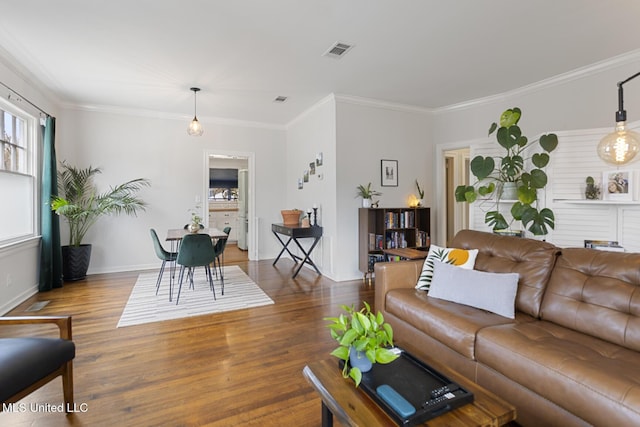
{"x": 415, "y": 381}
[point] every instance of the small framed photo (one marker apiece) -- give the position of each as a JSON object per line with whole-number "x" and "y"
{"x": 319, "y": 159}
{"x": 617, "y": 185}
{"x": 312, "y": 168}
{"x": 300, "y": 185}
{"x": 389, "y": 173}
{"x": 305, "y": 175}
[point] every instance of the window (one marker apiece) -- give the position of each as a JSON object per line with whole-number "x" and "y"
{"x": 18, "y": 174}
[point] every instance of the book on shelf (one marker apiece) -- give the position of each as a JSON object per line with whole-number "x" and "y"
{"x": 376, "y": 242}
{"x": 373, "y": 258}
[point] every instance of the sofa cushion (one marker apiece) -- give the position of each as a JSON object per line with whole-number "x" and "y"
{"x": 597, "y": 293}
{"x": 494, "y": 292}
{"x": 597, "y": 380}
{"x": 454, "y": 325}
{"x": 461, "y": 257}
{"x": 533, "y": 260}
{"x": 23, "y": 361}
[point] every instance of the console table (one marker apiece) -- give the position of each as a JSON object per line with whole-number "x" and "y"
{"x": 295, "y": 233}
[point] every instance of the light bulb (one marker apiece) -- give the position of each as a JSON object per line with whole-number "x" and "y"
{"x": 619, "y": 147}
{"x": 195, "y": 128}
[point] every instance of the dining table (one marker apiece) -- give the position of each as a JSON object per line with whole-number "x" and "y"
{"x": 175, "y": 235}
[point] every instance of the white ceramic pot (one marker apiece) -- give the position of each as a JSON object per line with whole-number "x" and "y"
{"x": 366, "y": 203}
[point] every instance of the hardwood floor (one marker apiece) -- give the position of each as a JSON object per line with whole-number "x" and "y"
{"x": 234, "y": 368}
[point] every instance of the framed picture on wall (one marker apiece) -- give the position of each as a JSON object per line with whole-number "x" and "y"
{"x": 617, "y": 185}
{"x": 389, "y": 173}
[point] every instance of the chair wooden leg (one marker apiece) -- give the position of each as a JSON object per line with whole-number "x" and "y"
{"x": 67, "y": 386}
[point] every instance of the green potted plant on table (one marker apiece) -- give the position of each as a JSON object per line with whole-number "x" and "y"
{"x": 81, "y": 205}
{"x": 519, "y": 168}
{"x": 364, "y": 338}
{"x": 367, "y": 194}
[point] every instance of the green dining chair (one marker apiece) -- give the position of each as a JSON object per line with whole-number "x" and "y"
{"x": 196, "y": 250}
{"x": 218, "y": 249}
{"x": 164, "y": 256}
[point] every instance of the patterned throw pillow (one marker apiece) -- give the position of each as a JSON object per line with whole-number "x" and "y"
{"x": 465, "y": 258}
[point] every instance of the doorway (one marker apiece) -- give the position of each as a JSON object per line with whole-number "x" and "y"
{"x": 227, "y": 175}
{"x": 456, "y": 172}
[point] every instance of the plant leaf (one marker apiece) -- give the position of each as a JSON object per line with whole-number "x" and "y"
{"x": 384, "y": 355}
{"x": 356, "y": 375}
{"x": 540, "y": 160}
{"x": 496, "y": 220}
{"x": 481, "y": 167}
{"x": 492, "y": 129}
{"x": 510, "y": 117}
{"x": 549, "y": 142}
{"x": 538, "y": 178}
{"x": 341, "y": 353}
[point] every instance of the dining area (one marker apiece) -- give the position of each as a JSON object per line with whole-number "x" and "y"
{"x": 189, "y": 249}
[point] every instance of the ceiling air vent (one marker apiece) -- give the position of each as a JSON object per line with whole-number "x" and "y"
{"x": 280, "y": 98}
{"x": 338, "y": 50}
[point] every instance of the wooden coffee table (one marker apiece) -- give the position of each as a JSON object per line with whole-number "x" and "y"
{"x": 353, "y": 407}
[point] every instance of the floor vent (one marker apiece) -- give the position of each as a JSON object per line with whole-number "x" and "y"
{"x": 338, "y": 50}
{"x": 37, "y": 306}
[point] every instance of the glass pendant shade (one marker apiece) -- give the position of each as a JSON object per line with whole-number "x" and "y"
{"x": 195, "y": 128}
{"x": 619, "y": 147}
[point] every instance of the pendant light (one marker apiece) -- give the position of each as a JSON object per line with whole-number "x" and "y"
{"x": 622, "y": 145}
{"x": 195, "y": 128}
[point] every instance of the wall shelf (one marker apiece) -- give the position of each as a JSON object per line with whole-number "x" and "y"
{"x": 597, "y": 202}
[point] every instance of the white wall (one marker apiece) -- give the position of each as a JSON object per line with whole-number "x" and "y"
{"x": 366, "y": 134}
{"x": 312, "y": 133}
{"x": 159, "y": 149}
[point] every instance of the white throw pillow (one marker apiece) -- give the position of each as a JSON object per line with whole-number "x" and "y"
{"x": 494, "y": 292}
{"x": 465, "y": 258}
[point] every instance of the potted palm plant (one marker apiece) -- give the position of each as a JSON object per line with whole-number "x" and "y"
{"x": 81, "y": 205}
{"x": 522, "y": 168}
{"x": 364, "y": 339}
{"x": 367, "y": 194}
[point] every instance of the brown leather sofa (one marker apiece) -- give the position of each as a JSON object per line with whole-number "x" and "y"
{"x": 571, "y": 356}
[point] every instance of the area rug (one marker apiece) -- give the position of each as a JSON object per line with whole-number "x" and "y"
{"x": 144, "y": 306}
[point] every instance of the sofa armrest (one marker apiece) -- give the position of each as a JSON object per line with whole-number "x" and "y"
{"x": 62, "y": 322}
{"x": 394, "y": 275}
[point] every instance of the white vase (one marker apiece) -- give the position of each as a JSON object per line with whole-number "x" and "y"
{"x": 366, "y": 203}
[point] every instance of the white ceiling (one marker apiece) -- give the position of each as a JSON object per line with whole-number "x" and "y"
{"x": 146, "y": 54}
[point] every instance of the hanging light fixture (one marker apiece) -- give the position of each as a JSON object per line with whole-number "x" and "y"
{"x": 622, "y": 145}
{"x": 195, "y": 128}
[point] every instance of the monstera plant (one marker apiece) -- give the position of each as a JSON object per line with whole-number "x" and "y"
{"x": 523, "y": 166}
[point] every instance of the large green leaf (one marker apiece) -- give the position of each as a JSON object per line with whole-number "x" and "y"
{"x": 495, "y": 220}
{"x": 540, "y": 160}
{"x": 510, "y": 117}
{"x": 481, "y": 167}
{"x": 384, "y": 355}
{"x": 539, "y": 221}
{"x": 549, "y": 142}
{"x": 461, "y": 190}
{"x": 517, "y": 210}
{"x": 484, "y": 190}
{"x": 509, "y": 137}
{"x": 512, "y": 165}
{"x": 538, "y": 178}
{"x": 526, "y": 195}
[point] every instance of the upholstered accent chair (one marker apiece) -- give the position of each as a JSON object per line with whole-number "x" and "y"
{"x": 29, "y": 362}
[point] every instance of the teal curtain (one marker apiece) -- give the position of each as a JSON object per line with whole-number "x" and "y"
{"x": 50, "y": 249}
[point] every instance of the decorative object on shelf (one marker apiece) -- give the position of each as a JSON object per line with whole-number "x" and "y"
{"x": 195, "y": 128}
{"x": 389, "y": 173}
{"x": 367, "y": 194}
{"x": 618, "y": 185}
{"x": 305, "y": 222}
{"x": 622, "y": 145}
{"x": 420, "y": 195}
{"x": 592, "y": 190}
{"x": 81, "y": 205}
{"x": 513, "y": 169}
{"x": 291, "y": 217}
{"x": 361, "y": 331}
{"x": 315, "y": 215}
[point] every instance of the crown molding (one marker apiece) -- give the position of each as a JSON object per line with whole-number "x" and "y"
{"x": 305, "y": 113}
{"x": 579, "y": 73}
{"x": 169, "y": 116}
{"x": 376, "y": 103}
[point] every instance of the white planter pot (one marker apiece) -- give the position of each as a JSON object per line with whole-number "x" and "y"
{"x": 366, "y": 203}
